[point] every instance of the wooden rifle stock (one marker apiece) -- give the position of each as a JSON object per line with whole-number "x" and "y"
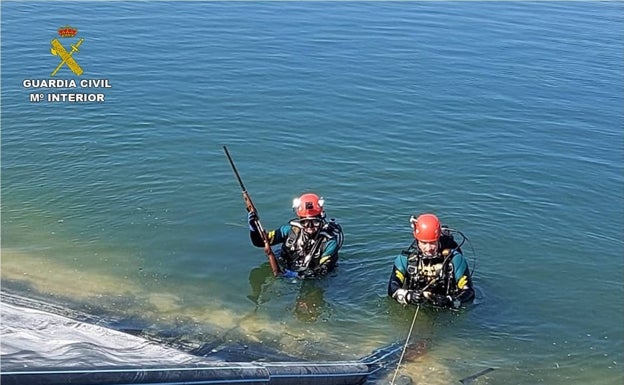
{"x": 250, "y": 207}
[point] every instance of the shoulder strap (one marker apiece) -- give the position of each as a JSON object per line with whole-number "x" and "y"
{"x": 293, "y": 234}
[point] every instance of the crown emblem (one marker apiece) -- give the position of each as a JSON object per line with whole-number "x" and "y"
{"x": 67, "y": 31}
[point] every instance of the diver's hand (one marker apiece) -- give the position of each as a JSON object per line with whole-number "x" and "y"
{"x": 415, "y": 297}
{"x": 252, "y": 218}
{"x": 290, "y": 274}
{"x": 446, "y": 301}
{"x": 404, "y": 296}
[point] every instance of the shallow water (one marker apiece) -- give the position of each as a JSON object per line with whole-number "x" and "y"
{"x": 503, "y": 118}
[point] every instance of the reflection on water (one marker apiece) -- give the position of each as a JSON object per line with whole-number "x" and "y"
{"x": 258, "y": 277}
{"x": 310, "y": 304}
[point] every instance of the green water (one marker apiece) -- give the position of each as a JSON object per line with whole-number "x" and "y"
{"x": 509, "y": 127}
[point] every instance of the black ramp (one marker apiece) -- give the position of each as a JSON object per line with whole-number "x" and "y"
{"x": 329, "y": 373}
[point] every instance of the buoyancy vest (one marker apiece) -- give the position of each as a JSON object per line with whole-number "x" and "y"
{"x": 433, "y": 274}
{"x": 300, "y": 251}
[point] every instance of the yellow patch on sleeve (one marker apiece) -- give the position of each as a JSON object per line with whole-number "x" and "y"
{"x": 271, "y": 236}
{"x": 400, "y": 276}
{"x": 324, "y": 259}
{"x": 463, "y": 281}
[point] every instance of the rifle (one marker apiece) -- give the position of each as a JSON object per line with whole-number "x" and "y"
{"x": 250, "y": 207}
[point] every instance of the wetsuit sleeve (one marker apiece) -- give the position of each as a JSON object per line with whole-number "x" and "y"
{"x": 275, "y": 236}
{"x": 398, "y": 276}
{"x": 464, "y": 292}
{"x": 328, "y": 259}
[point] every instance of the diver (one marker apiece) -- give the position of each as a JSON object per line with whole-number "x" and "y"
{"x": 433, "y": 269}
{"x": 310, "y": 244}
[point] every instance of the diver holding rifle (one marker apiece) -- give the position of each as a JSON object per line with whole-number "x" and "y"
{"x": 310, "y": 243}
{"x": 256, "y": 222}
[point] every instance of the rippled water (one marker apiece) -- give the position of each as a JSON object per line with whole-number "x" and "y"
{"x": 503, "y": 118}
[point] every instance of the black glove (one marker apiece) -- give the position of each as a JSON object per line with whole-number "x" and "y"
{"x": 440, "y": 300}
{"x": 446, "y": 301}
{"x": 414, "y": 297}
{"x": 321, "y": 270}
{"x": 252, "y": 217}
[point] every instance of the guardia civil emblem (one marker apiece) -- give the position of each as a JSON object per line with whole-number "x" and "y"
{"x": 66, "y": 55}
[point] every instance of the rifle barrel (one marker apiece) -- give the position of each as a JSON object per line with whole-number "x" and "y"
{"x": 240, "y": 181}
{"x": 250, "y": 207}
